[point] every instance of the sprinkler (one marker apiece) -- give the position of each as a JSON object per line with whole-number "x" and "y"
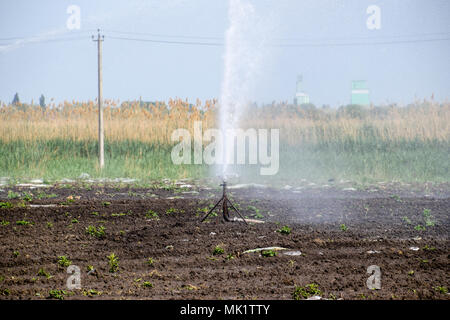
{"x": 225, "y": 202}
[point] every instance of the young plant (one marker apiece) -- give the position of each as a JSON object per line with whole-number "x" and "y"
{"x": 13, "y": 195}
{"x": 23, "y": 223}
{"x": 6, "y": 205}
{"x": 64, "y": 262}
{"x": 152, "y": 215}
{"x": 307, "y": 291}
{"x": 343, "y": 227}
{"x": 96, "y": 232}
{"x": 407, "y": 220}
{"x": 147, "y": 284}
{"x": 113, "y": 262}
{"x": 428, "y": 218}
{"x": 268, "y": 253}
{"x": 441, "y": 289}
{"x": 27, "y": 197}
{"x": 44, "y": 273}
{"x": 172, "y": 210}
{"x": 57, "y": 294}
{"x": 419, "y": 227}
{"x": 218, "y": 250}
{"x": 284, "y": 230}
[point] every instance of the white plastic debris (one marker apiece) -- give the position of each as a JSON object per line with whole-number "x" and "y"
{"x": 292, "y": 253}
{"x": 267, "y": 248}
{"x": 315, "y": 298}
{"x": 414, "y": 248}
{"x": 373, "y": 251}
{"x": 84, "y": 176}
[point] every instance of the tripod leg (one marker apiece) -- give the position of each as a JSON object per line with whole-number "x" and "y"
{"x": 206, "y": 216}
{"x": 236, "y": 210}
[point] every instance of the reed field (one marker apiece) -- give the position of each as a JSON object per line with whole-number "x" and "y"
{"x": 362, "y": 144}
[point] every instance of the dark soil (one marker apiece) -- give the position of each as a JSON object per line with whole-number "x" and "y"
{"x": 333, "y": 229}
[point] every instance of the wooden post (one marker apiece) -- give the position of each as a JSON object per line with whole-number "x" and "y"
{"x": 101, "y": 158}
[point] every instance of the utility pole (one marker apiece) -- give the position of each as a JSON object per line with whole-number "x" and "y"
{"x": 99, "y": 40}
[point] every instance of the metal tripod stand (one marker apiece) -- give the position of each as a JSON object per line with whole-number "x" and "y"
{"x": 225, "y": 201}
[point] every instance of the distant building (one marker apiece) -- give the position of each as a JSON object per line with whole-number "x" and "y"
{"x": 300, "y": 96}
{"x": 360, "y": 93}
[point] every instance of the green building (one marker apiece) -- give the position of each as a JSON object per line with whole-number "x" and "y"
{"x": 360, "y": 93}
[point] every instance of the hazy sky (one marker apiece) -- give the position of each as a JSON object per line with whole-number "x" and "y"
{"x": 395, "y": 72}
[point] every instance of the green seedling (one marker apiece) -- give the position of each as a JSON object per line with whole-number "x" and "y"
{"x": 23, "y": 223}
{"x": 120, "y": 214}
{"x": 27, "y": 197}
{"x": 147, "y": 284}
{"x": 441, "y": 289}
{"x": 91, "y": 293}
{"x": 64, "y": 262}
{"x": 428, "y": 218}
{"x": 407, "y": 220}
{"x": 49, "y": 225}
{"x": 150, "y": 261}
{"x": 95, "y": 213}
{"x": 6, "y": 205}
{"x": 68, "y": 201}
{"x": 57, "y": 294}
{"x": 172, "y": 210}
{"x": 13, "y": 195}
{"x": 268, "y": 253}
{"x": 16, "y": 254}
{"x": 419, "y": 227}
{"x": 284, "y": 230}
{"x": 343, "y": 227}
{"x": 151, "y": 215}
{"x": 43, "y": 195}
{"x": 96, "y": 232}
{"x": 74, "y": 220}
{"x": 113, "y": 262}
{"x": 218, "y": 251}
{"x": 307, "y": 291}
{"x": 4, "y": 223}
{"x": 230, "y": 257}
{"x": 106, "y": 203}
{"x": 44, "y": 273}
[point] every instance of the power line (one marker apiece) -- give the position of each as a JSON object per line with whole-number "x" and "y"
{"x": 215, "y": 44}
{"x": 164, "y": 35}
{"x": 370, "y": 37}
{"x": 38, "y": 40}
{"x": 67, "y": 33}
{"x": 358, "y": 43}
{"x": 314, "y": 43}
{"x": 282, "y": 39}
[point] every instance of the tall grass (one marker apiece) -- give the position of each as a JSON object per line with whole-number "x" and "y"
{"x": 410, "y": 143}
